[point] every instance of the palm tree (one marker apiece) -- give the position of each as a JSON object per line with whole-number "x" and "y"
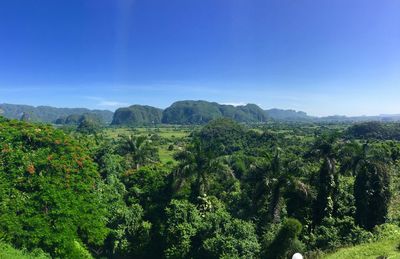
{"x": 272, "y": 179}
{"x": 195, "y": 162}
{"x": 138, "y": 150}
{"x": 325, "y": 148}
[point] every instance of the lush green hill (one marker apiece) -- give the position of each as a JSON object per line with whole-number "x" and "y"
{"x": 137, "y": 115}
{"x": 381, "y": 249}
{"x": 386, "y": 245}
{"x": 76, "y": 119}
{"x": 191, "y": 112}
{"x": 200, "y": 112}
{"x": 49, "y": 114}
{"x": 9, "y": 252}
{"x": 375, "y": 130}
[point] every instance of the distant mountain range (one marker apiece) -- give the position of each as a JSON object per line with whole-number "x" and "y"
{"x": 181, "y": 112}
{"x": 50, "y": 114}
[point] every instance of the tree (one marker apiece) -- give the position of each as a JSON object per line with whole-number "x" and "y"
{"x": 371, "y": 166}
{"x": 183, "y": 221}
{"x": 325, "y": 148}
{"x": 372, "y": 193}
{"x": 286, "y": 242}
{"x": 208, "y": 232}
{"x": 196, "y": 165}
{"x": 223, "y": 236}
{"x": 49, "y": 191}
{"x": 351, "y": 156}
{"x": 271, "y": 180}
{"x": 138, "y": 150}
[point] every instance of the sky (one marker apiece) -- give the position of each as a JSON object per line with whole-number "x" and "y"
{"x": 323, "y": 57}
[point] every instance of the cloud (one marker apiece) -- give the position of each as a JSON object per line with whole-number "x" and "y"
{"x": 106, "y": 103}
{"x": 235, "y": 103}
{"x": 112, "y": 103}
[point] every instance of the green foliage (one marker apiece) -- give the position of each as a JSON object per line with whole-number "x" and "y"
{"x": 223, "y": 190}
{"x": 183, "y": 222}
{"x": 211, "y": 228}
{"x": 372, "y": 193}
{"x": 222, "y": 137}
{"x": 386, "y": 241}
{"x": 78, "y": 119}
{"x": 138, "y": 150}
{"x": 48, "y": 190}
{"x": 374, "y": 130}
{"x": 88, "y": 126}
{"x": 286, "y": 242}
{"x": 325, "y": 149}
{"x": 130, "y": 233}
{"x": 9, "y": 252}
{"x": 335, "y": 232}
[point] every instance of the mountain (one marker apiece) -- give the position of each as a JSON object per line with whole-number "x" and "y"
{"x": 200, "y": 112}
{"x": 181, "y": 112}
{"x": 299, "y": 116}
{"x": 76, "y": 119}
{"x": 341, "y": 118}
{"x": 288, "y": 115}
{"x": 49, "y": 114}
{"x": 137, "y": 115}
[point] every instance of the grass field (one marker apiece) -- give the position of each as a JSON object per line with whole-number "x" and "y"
{"x": 382, "y": 249}
{"x": 8, "y": 252}
{"x": 165, "y": 132}
{"x": 169, "y": 135}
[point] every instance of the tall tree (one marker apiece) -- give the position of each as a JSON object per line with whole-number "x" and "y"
{"x": 198, "y": 164}
{"x": 325, "y": 148}
{"x": 372, "y": 193}
{"x": 49, "y": 191}
{"x": 138, "y": 150}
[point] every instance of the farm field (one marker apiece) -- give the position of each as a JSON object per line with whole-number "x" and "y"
{"x": 170, "y": 138}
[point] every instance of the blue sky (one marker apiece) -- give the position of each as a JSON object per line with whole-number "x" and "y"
{"x": 321, "y": 56}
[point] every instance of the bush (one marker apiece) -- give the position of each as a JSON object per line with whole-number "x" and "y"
{"x": 286, "y": 241}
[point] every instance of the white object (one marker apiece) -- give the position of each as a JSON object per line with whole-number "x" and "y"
{"x": 297, "y": 256}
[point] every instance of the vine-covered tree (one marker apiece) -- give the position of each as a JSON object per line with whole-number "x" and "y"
{"x": 325, "y": 148}
{"x": 372, "y": 193}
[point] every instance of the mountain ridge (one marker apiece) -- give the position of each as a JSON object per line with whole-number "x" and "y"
{"x": 49, "y": 114}
{"x": 180, "y": 112}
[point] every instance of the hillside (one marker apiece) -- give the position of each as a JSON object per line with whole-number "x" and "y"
{"x": 76, "y": 119}
{"x": 200, "y": 112}
{"x": 288, "y": 115}
{"x": 9, "y": 252}
{"x": 49, "y": 114}
{"x": 181, "y": 112}
{"x": 382, "y": 249}
{"x": 137, "y": 115}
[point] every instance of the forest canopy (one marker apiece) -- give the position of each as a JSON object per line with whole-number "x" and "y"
{"x": 222, "y": 190}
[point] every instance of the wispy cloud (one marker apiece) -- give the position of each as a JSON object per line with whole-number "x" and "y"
{"x": 112, "y": 103}
{"x": 235, "y": 103}
{"x": 106, "y": 103}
